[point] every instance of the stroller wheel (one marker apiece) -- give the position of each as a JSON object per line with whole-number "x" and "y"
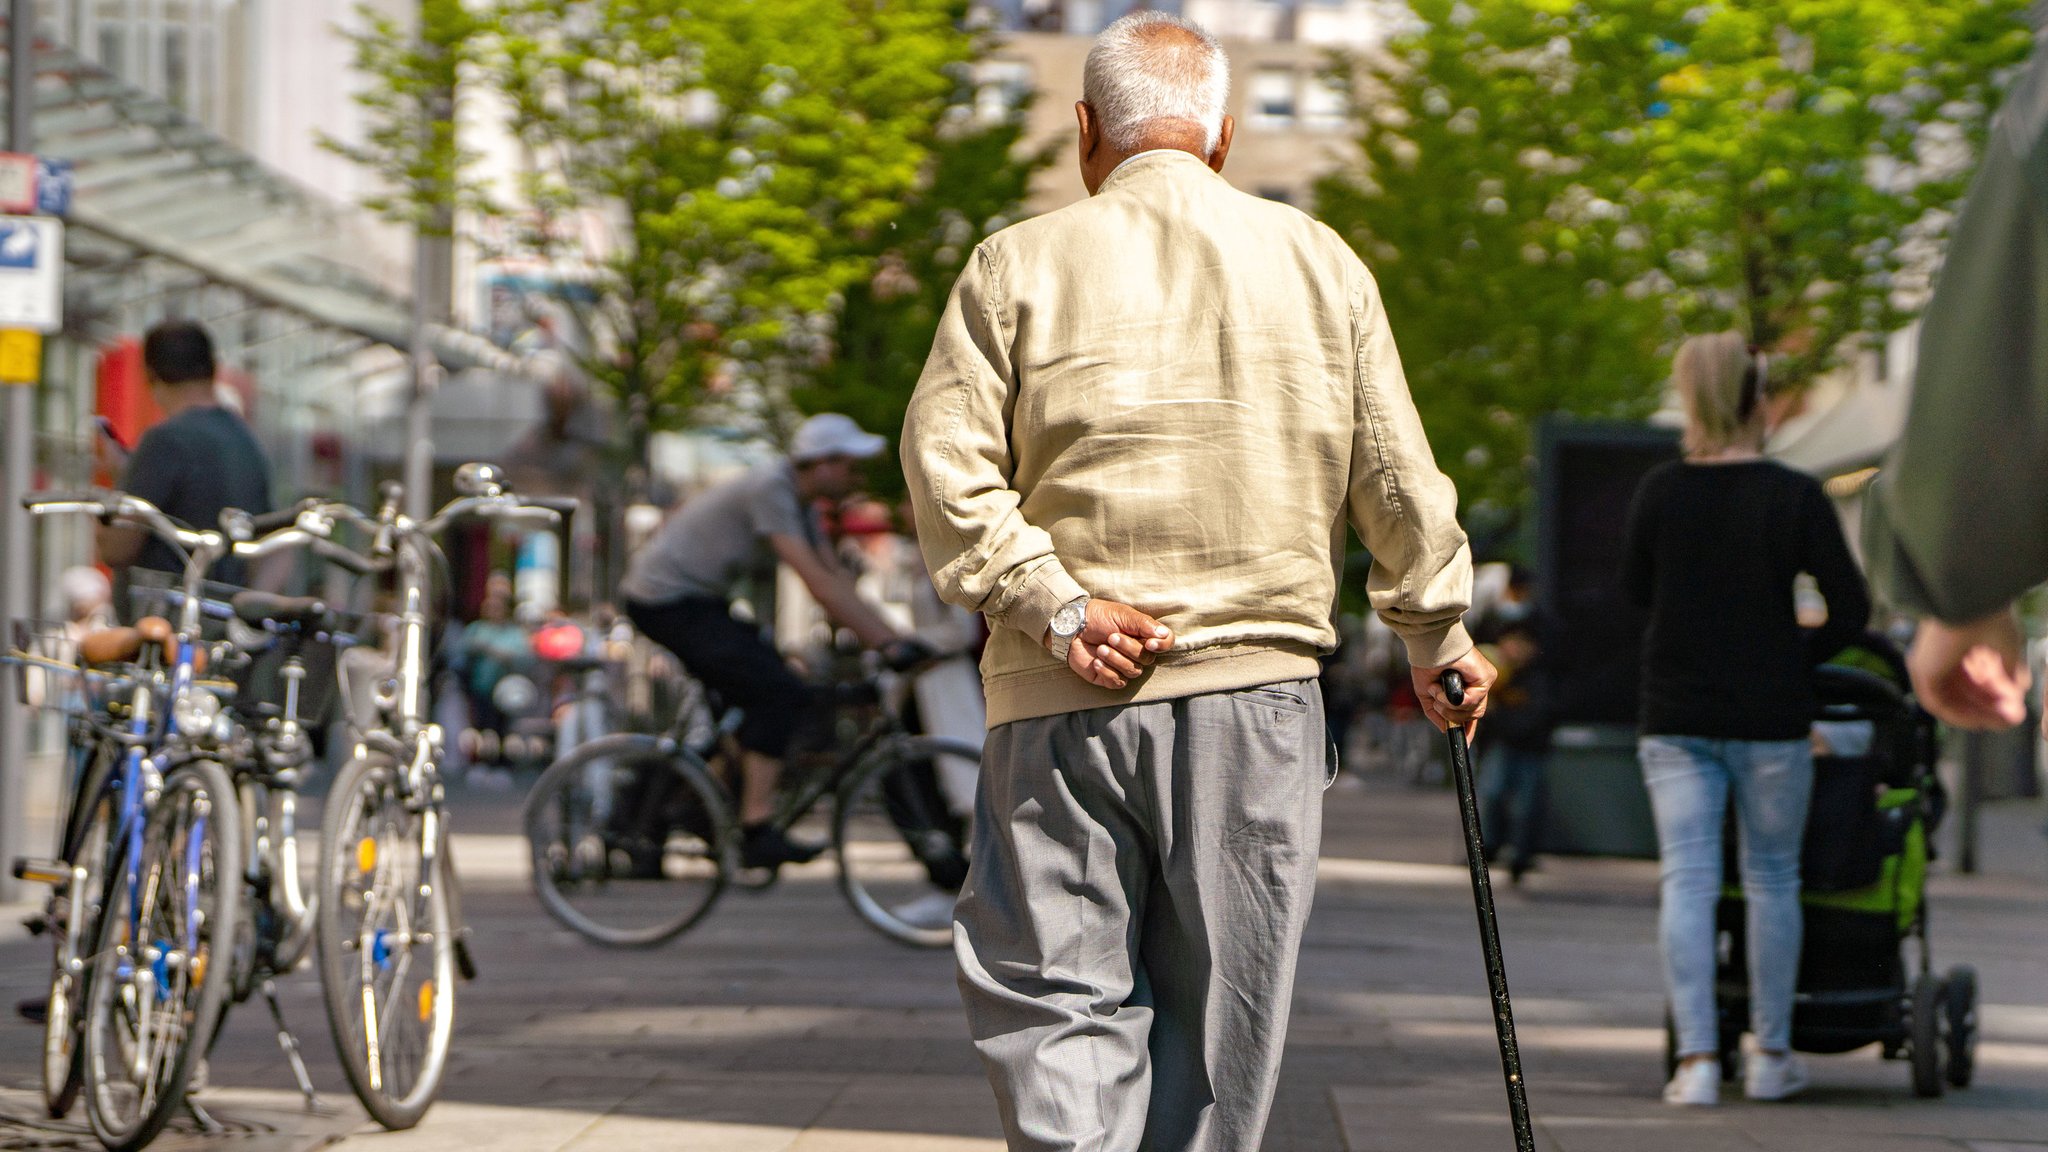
{"x": 1959, "y": 1011}
{"x": 1925, "y": 1029}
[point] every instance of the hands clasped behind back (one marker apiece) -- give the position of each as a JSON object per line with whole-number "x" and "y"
{"x": 1115, "y": 645}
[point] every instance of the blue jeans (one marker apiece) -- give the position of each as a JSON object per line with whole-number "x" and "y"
{"x": 1511, "y": 801}
{"x": 1689, "y": 779}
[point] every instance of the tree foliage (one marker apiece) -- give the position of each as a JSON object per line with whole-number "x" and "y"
{"x": 411, "y": 75}
{"x": 750, "y": 157}
{"x": 1553, "y": 191}
{"x": 977, "y": 184}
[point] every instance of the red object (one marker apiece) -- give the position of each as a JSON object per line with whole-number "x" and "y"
{"x": 558, "y": 642}
{"x": 868, "y": 518}
{"x": 123, "y": 392}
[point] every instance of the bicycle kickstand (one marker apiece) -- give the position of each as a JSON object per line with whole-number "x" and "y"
{"x": 290, "y": 1044}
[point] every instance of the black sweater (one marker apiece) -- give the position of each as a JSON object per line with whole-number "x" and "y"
{"x": 1712, "y": 553}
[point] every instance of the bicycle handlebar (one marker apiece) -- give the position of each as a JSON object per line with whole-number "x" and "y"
{"x": 109, "y": 506}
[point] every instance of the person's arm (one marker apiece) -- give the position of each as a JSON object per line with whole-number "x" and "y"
{"x": 1406, "y": 513}
{"x": 983, "y": 554}
{"x": 1955, "y": 527}
{"x": 1834, "y": 571}
{"x": 833, "y": 589}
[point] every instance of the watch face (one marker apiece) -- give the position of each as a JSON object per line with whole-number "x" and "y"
{"x": 1069, "y": 619}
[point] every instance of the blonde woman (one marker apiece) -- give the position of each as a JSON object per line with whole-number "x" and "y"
{"x": 1715, "y": 543}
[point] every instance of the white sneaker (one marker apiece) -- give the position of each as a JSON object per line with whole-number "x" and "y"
{"x": 1697, "y": 1084}
{"x": 933, "y": 910}
{"x": 1768, "y": 1077}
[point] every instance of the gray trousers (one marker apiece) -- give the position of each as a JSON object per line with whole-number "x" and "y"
{"x": 1128, "y": 933}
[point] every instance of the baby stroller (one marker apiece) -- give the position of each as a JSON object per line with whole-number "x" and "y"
{"x": 1866, "y": 972}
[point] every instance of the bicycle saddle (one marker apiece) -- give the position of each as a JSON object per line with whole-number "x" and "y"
{"x": 119, "y": 645}
{"x": 258, "y": 608}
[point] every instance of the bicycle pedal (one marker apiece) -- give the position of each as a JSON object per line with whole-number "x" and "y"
{"x": 35, "y": 871}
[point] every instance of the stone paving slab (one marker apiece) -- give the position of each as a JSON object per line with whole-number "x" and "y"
{"x": 781, "y": 1024}
{"x": 251, "y": 1120}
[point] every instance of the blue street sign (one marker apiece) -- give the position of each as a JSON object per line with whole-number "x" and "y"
{"x": 18, "y": 244}
{"x": 53, "y": 186}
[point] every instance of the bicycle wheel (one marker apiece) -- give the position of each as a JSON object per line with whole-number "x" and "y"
{"x": 385, "y": 941}
{"x": 902, "y": 850}
{"x": 628, "y": 836}
{"x": 160, "y": 963}
{"x": 73, "y": 931}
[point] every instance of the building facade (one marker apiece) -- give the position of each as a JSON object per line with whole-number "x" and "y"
{"x": 1292, "y": 124}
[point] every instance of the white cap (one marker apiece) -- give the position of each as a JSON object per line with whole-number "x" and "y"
{"x": 832, "y": 434}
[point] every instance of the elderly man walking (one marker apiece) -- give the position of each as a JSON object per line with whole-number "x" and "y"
{"x": 1145, "y": 421}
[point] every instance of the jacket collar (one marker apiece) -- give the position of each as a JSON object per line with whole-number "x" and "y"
{"x": 1150, "y": 162}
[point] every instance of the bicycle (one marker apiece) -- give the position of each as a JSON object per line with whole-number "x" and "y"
{"x": 633, "y": 837}
{"x": 388, "y": 924}
{"x": 113, "y": 701}
{"x": 163, "y": 908}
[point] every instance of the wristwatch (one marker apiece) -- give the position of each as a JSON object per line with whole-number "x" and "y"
{"x": 1067, "y": 624}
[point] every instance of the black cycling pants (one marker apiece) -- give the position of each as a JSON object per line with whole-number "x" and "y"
{"x": 729, "y": 657}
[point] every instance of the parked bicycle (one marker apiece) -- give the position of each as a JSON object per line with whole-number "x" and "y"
{"x": 148, "y": 871}
{"x": 389, "y": 932}
{"x": 633, "y": 837}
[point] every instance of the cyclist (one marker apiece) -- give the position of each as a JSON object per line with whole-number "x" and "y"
{"x": 679, "y": 591}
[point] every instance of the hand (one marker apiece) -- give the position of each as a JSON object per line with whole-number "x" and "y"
{"x": 1115, "y": 645}
{"x": 907, "y": 652}
{"x": 1971, "y": 675}
{"x": 1479, "y": 676}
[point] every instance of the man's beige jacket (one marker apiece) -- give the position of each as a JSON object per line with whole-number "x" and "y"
{"x": 1173, "y": 395}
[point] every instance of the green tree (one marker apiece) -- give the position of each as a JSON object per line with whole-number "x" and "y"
{"x": 1552, "y": 191}
{"x": 976, "y": 183}
{"x": 748, "y": 156}
{"x": 413, "y": 73}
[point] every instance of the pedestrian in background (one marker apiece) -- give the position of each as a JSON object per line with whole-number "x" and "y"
{"x": 1957, "y": 524}
{"x": 201, "y": 460}
{"x": 1517, "y": 747}
{"x": 1145, "y": 420}
{"x": 1715, "y": 542}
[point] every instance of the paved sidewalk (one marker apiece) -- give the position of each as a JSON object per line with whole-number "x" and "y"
{"x": 783, "y": 1025}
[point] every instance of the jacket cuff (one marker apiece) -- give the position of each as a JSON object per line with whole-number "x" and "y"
{"x": 1046, "y": 590}
{"x": 1436, "y": 647}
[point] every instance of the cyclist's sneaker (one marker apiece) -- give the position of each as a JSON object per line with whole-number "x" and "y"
{"x": 765, "y": 846}
{"x": 932, "y": 910}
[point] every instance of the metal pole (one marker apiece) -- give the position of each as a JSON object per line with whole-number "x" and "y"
{"x": 433, "y": 283}
{"x": 17, "y": 460}
{"x": 419, "y": 410}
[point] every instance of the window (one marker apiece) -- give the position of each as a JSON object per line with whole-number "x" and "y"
{"x": 113, "y": 50}
{"x": 1272, "y": 97}
{"x": 177, "y": 68}
{"x": 1322, "y": 105}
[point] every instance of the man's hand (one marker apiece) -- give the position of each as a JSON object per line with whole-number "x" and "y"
{"x": 1479, "y": 676}
{"x": 1115, "y": 645}
{"x": 1971, "y": 675}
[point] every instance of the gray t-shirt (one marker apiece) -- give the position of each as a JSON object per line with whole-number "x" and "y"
{"x": 719, "y": 540}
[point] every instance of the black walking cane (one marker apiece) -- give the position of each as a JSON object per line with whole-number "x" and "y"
{"x": 1489, "y": 931}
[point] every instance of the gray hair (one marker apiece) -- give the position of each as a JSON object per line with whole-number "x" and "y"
{"x": 1151, "y": 66}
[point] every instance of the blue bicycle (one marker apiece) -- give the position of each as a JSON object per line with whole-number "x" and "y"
{"x": 151, "y": 877}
